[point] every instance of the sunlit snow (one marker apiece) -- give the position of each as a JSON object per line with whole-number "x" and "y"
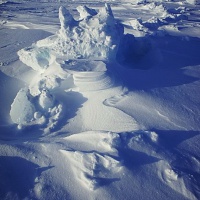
{"x": 99, "y": 100}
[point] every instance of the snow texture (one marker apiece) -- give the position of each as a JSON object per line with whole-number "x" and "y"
{"x": 95, "y": 36}
{"x": 99, "y": 103}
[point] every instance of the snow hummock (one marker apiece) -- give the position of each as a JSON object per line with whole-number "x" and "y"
{"x": 94, "y": 36}
{"x": 78, "y": 50}
{"x": 27, "y": 110}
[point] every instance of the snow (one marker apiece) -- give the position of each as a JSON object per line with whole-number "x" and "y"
{"x": 22, "y": 109}
{"x": 193, "y": 2}
{"x": 99, "y": 100}
{"x": 76, "y": 39}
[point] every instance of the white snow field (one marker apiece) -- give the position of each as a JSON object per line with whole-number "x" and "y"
{"x": 99, "y": 100}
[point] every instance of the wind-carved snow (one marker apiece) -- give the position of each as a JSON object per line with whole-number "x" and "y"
{"x": 92, "y": 169}
{"x": 94, "y": 36}
{"x": 102, "y": 150}
{"x": 97, "y": 158}
{"x": 78, "y": 53}
{"x": 29, "y": 110}
{"x": 97, "y": 161}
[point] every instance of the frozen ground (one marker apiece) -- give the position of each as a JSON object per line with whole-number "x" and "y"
{"x": 99, "y": 102}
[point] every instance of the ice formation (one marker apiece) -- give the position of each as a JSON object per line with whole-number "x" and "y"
{"x": 88, "y": 75}
{"x": 78, "y": 51}
{"x": 22, "y": 109}
{"x": 29, "y": 110}
{"x": 94, "y": 36}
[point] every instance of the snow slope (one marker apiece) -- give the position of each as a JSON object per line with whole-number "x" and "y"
{"x": 99, "y": 101}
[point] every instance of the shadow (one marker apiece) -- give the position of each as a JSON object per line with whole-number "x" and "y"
{"x": 13, "y": 86}
{"x": 171, "y": 138}
{"x": 153, "y": 26}
{"x": 158, "y": 51}
{"x": 131, "y": 158}
{"x": 104, "y": 181}
{"x": 71, "y": 102}
{"x": 176, "y": 19}
{"x": 185, "y": 161}
{"x": 42, "y": 169}
{"x": 135, "y": 52}
{"x": 134, "y": 159}
{"x": 155, "y": 62}
{"x": 10, "y": 133}
{"x": 153, "y": 78}
{"x": 17, "y": 177}
{"x": 190, "y": 177}
{"x": 177, "y": 52}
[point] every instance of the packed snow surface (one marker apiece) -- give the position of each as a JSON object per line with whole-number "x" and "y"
{"x": 99, "y": 100}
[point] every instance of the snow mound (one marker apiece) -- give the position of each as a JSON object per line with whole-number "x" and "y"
{"x": 76, "y": 54}
{"x": 94, "y": 36}
{"x": 96, "y": 159}
{"x": 28, "y": 110}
